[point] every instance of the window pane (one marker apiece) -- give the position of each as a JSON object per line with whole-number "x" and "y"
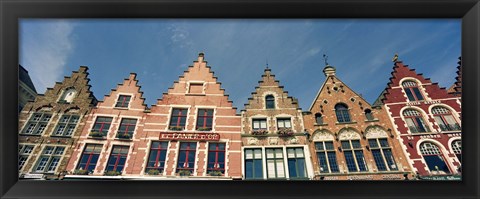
{"x": 417, "y": 93}
{"x": 377, "y": 155}
{"x": 409, "y": 94}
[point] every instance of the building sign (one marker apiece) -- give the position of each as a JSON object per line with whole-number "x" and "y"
{"x": 189, "y": 136}
{"x": 425, "y": 102}
{"x": 33, "y": 175}
{"x": 456, "y": 177}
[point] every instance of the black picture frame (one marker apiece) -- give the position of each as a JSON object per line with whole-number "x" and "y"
{"x": 11, "y": 11}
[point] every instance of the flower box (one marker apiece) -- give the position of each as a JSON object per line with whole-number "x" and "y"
{"x": 285, "y": 132}
{"x": 204, "y": 129}
{"x": 153, "y": 172}
{"x": 259, "y": 132}
{"x": 113, "y": 173}
{"x": 96, "y": 134}
{"x": 175, "y": 128}
{"x": 124, "y": 136}
{"x": 184, "y": 173}
{"x": 80, "y": 172}
{"x": 215, "y": 173}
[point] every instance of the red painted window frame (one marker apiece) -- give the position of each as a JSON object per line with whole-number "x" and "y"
{"x": 127, "y": 125}
{"x": 122, "y": 105}
{"x": 118, "y": 155}
{"x": 217, "y": 151}
{"x": 102, "y": 123}
{"x": 188, "y": 150}
{"x": 205, "y": 116}
{"x": 90, "y": 154}
{"x": 179, "y": 116}
{"x": 157, "y": 158}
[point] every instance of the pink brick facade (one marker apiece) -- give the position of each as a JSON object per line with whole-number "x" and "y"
{"x": 435, "y": 141}
{"x": 158, "y": 149}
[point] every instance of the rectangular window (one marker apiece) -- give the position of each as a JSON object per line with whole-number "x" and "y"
{"x": 123, "y": 101}
{"x": 284, "y": 123}
{"x": 157, "y": 156}
{"x": 117, "y": 159}
{"x": 204, "y": 119}
{"x": 417, "y": 93}
{"x": 178, "y": 119}
{"x": 253, "y": 164}
{"x": 354, "y": 155}
{"x": 126, "y": 128}
{"x": 66, "y": 125}
{"x": 275, "y": 165}
{"x": 196, "y": 88}
{"x": 49, "y": 159}
{"x": 24, "y": 152}
{"x": 382, "y": 154}
{"x": 102, "y": 125}
{"x": 259, "y": 124}
{"x": 216, "y": 157}
{"x": 409, "y": 94}
{"x": 296, "y": 163}
{"x": 327, "y": 158}
{"x": 186, "y": 156}
{"x": 37, "y": 124}
{"x": 89, "y": 158}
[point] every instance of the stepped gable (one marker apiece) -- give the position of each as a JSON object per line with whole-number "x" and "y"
{"x": 456, "y": 88}
{"x": 79, "y": 81}
{"x": 129, "y": 86}
{"x": 198, "y": 83}
{"x": 269, "y": 84}
{"x": 401, "y": 71}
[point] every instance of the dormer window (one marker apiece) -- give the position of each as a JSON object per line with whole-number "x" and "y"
{"x": 318, "y": 118}
{"x": 269, "y": 102}
{"x": 68, "y": 95}
{"x": 369, "y": 115}
{"x": 343, "y": 115}
{"x": 412, "y": 91}
{"x": 123, "y": 101}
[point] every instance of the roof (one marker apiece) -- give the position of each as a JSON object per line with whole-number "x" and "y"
{"x": 25, "y": 78}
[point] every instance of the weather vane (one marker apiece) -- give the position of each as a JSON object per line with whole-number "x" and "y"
{"x": 325, "y": 58}
{"x": 395, "y": 57}
{"x": 267, "y": 62}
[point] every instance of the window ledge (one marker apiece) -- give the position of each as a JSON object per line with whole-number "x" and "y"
{"x": 38, "y": 135}
{"x": 97, "y": 138}
{"x": 124, "y": 139}
{"x": 342, "y": 123}
{"x": 60, "y": 136}
{"x": 121, "y": 108}
{"x": 320, "y": 124}
{"x": 374, "y": 120}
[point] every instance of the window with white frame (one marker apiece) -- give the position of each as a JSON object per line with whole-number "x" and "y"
{"x": 37, "y": 123}
{"x": 275, "y": 164}
{"x": 126, "y": 128}
{"x": 445, "y": 119}
{"x": 259, "y": 123}
{"x": 66, "y": 125}
{"x": 415, "y": 121}
{"x": 24, "y": 152}
{"x": 382, "y": 153}
{"x": 457, "y": 149}
{"x": 412, "y": 90}
{"x": 434, "y": 158}
{"x": 123, "y": 101}
{"x": 284, "y": 123}
{"x": 49, "y": 159}
{"x": 296, "y": 163}
{"x": 253, "y": 164}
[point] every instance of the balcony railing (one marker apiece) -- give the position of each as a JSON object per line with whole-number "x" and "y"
{"x": 450, "y": 127}
{"x": 417, "y": 129}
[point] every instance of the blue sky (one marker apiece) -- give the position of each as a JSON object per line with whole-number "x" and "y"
{"x": 237, "y": 49}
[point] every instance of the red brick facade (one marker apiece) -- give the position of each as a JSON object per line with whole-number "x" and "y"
{"x": 344, "y": 139}
{"x": 427, "y": 121}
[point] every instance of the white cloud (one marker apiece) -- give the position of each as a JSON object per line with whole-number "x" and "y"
{"x": 45, "y": 48}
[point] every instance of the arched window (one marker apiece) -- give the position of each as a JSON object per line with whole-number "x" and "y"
{"x": 445, "y": 119}
{"x": 457, "y": 149}
{"x": 434, "y": 158}
{"x": 318, "y": 118}
{"x": 368, "y": 114}
{"x": 415, "y": 121}
{"x": 341, "y": 110}
{"x": 68, "y": 95}
{"x": 269, "y": 102}
{"x": 412, "y": 91}
{"x": 325, "y": 150}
